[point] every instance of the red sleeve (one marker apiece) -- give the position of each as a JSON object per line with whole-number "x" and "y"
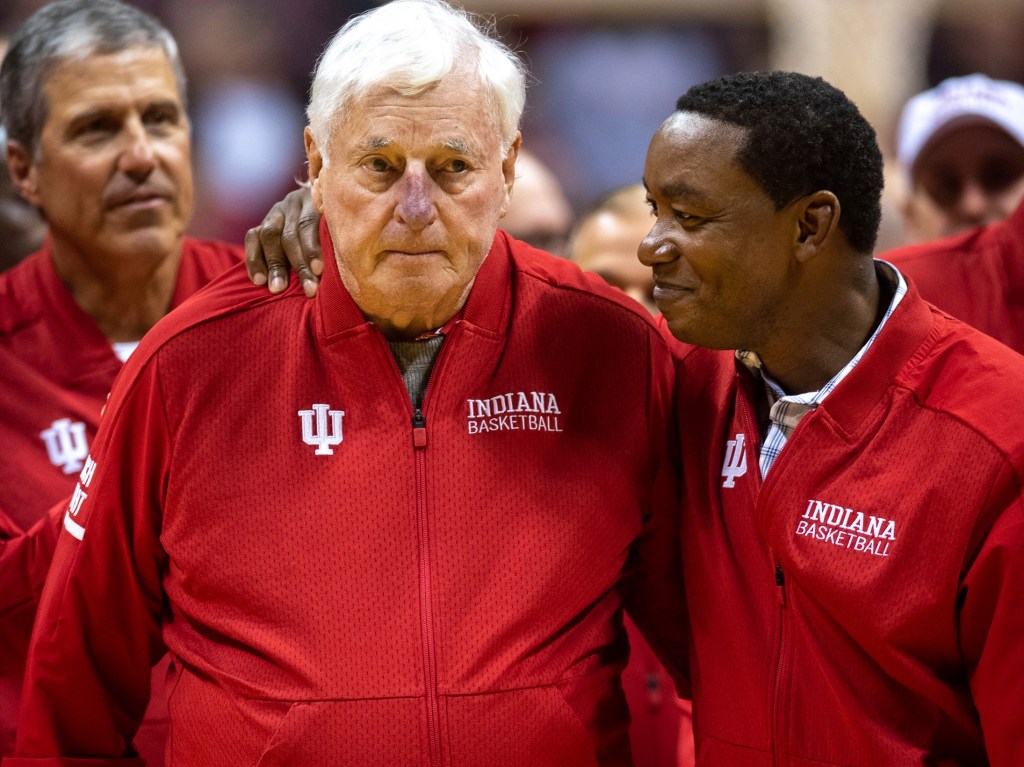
{"x": 24, "y": 562}
{"x": 98, "y": 630}
{"x": 991, "y": 622}
{"x": 653, "y": 589}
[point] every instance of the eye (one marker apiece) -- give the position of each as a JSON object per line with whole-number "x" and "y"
{"x": 96, "y": 126}
{"x": 456, "y": 166}
{"x": 653, "y": 206}
{"x": 161, "y": 116}
{"x": 944, "y": 187}
{"x": 996, "y": 177}
{"x": 378, "y": 165}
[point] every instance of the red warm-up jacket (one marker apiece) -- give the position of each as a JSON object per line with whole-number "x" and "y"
{"x": 340, "y": 580}
{"x": 56, "y": 369}
{"x": 862, "y": 606}
{"x": 977, "y": 276}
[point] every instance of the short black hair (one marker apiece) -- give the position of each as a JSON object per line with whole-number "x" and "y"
{"x": 803, "y": 135}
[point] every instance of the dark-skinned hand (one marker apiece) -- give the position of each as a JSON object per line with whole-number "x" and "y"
{"x": 288, "y": 239}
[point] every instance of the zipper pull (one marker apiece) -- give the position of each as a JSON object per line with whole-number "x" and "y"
{"x": 419, "y": 429}
{"x": 780, "y": 582}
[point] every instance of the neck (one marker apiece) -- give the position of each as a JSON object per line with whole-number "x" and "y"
{"x": 407, "y": 328}
{"x": 124, "y": 297}
{"x": 835, "y": 326}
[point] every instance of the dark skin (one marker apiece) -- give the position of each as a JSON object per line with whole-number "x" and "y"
{"x": 732, "y": 272}
{"x": 287, "y": 238}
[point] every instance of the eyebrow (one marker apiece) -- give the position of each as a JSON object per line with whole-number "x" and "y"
{"x": 376, "y": 142}
{"x": 676, "y": 189}
{"x": 457, "y": 144}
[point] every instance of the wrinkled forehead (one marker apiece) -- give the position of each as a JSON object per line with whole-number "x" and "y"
{"x": 454, "y": 113}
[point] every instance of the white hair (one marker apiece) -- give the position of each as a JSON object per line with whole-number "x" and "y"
{"x": 410, "y": 45}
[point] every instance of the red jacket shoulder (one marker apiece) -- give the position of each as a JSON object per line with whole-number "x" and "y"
{"x": 563, "y": 274}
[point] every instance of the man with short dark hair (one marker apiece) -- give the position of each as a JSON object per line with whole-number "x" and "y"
{"x": 853, "y": 528}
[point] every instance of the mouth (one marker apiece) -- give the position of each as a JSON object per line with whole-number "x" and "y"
{"x": 413, "y": 253}
{"x": 668, "y": 290}
{"x": 671, "y": 298}
{"x": 138, "y": 200}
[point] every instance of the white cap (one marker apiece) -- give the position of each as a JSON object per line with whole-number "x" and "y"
{"x": 954, "y": 102}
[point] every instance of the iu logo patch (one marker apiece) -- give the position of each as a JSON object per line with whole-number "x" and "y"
{"x": 66, "y": 444}
{"x": 318, "y": 434}
{"x": 735, "y": 463}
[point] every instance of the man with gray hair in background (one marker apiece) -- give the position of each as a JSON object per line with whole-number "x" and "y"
{"x": 97, "y": 140}
{"x": 468, "y": 492}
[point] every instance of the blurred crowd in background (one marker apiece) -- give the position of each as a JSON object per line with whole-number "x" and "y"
{"x": 604, "y": 74}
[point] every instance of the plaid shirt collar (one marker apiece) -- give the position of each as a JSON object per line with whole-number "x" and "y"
{"x": 787, "y": 410}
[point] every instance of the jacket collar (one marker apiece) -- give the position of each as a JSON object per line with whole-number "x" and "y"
{"x": 901, "y": 339}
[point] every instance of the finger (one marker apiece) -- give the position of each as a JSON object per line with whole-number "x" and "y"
{"x": 271, "y": 234}
{"x": 255, "y": 263}
{"x": 302, "y": 247}
{"x": 301, "y": 238}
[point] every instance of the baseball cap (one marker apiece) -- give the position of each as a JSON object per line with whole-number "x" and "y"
{"x": 954, "y": 102}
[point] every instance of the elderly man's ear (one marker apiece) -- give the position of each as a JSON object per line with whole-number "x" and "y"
{"x": 289, "y": 236}
{"x": 508, "y": 169}
{"x": 315, "y": 162}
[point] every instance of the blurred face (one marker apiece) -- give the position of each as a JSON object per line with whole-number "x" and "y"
{"x": 719, "y": 251}
{"x": 112, "y": 172}
{"x": 972, "y": 176}
{"x": 538, "y": 213}
{"x": 412, "y": 195}
{"x": 607, "y": 243}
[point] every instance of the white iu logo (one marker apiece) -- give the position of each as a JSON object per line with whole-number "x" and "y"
{"x": 66, "y": 444}
{"x": 735, "y": 463}
{"x": 322, "y": 438}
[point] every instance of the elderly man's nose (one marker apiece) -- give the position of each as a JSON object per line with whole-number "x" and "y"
{"x": 415, "y": 206}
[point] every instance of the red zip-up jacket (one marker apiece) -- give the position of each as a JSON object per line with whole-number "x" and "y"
{"x": 977, "y": 276}
{"x": 863, "y": 605}
{"x": 370, "y": 585}
{"x": 56, "y": 369}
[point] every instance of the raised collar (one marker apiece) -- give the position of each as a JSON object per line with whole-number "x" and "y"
{"x": 869, "y": 382}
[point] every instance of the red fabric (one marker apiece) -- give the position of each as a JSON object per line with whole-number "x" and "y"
{"x": 978, "y": 277}
{"x": 55, "y": 364}
{"x": 907, "y": 654}
{"x": 660, "y": 730}
{"x": 453, "y": 603}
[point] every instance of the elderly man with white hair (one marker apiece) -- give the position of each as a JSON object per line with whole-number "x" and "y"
{"x": 465, "y": 492}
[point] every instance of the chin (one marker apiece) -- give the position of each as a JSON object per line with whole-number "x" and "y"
{"x": 153, "y": 244}
{"x": 691, "y": 333}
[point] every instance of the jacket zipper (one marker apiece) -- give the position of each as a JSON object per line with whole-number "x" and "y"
{"x": 780, "y": 665}
{"x": 780, "y": 583}
{"x": 419, "y": 441}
